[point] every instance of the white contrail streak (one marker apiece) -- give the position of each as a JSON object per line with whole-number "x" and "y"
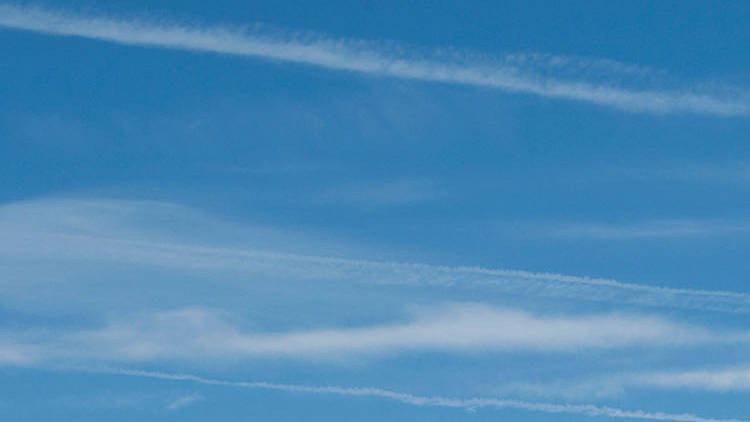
{"x": 365, "y": 58}
{"x": 509, "y": 281}
{"x": 39, "y": 231}
{"x": 436, "y": 401}
{"x": 316, "y": 268}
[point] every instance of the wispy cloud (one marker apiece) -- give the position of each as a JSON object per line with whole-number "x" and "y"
{"x": 184, "y": 401}
{"x": 722, "y": 173}
{"x": 437, "y": 401}
{"x": 566, "y": 389}
{"x": 125, "y": 232}
{"x": 12, "y": 353}
{"x": 197, "y": 334}
{"x": 714, "y": 379}
{"x": 717, "y": 379}
{"x": 120, "y": 400}
{"x": 651, "y": 229}
{"x": 527, "y": 74}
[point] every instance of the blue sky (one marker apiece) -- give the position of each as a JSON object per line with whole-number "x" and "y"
{"x": 403, "y": 210}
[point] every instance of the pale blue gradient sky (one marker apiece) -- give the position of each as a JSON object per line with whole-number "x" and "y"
{"x": 529, "y": 201}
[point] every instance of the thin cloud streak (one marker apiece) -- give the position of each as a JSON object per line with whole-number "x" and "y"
{"x": 735, "y": 379}
{"x": 470, "y": 404}
{"x": 362, "y": 57}
{"x": 197, "y": 334}
{"x": 310, "y": 267}
{"x": 184, "y": 401}
{"x": 652, "y": 230}
{"x": 108, "y": 237}
{"x": 12, "y": 353}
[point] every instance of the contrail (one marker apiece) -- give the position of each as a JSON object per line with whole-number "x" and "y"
{"x": 363, "y": 57}
{"x": 186, "y": 256}
{"x": 434, "y": 401}
{"x": 43, "y": 236}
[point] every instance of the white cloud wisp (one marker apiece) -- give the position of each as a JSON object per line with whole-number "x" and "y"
{"x": 511, "y": 75}
{"x": 734, "y": 379}
{"x": 77, "y": 232}
{"x": 664, "y": 229}
{"x": 728, "y": 379}
{"x": 196, "y": 334}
